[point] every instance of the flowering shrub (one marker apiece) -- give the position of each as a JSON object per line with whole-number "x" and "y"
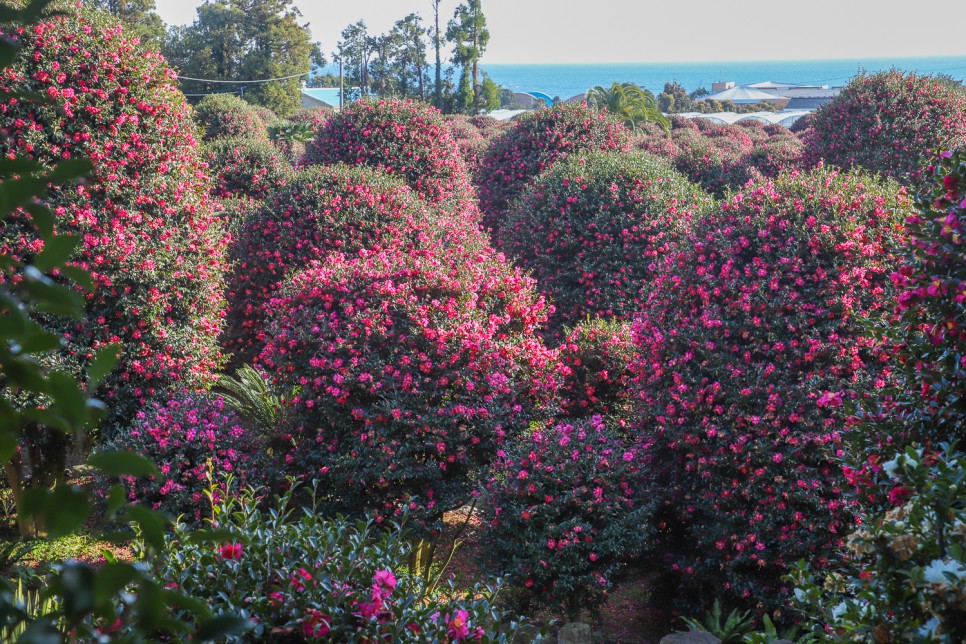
{"x": 593, "y": 229}
{"x": 410, "y": 371}
{"x": 560, "y": 515}
{"x": 403, "y": 138}
{"x": 245, "y": 167}
{"x": 533, "y": 144}
{"x": 596, "y": 355}
{"x": 723, "y": 157}
{"x": 299, "y": 577}
{"x": 906, "y": 579}
{"x": 264, "y": 114}
{"x": 226, "y": 116}
{"x": 473, "y": 135}
{"x": 190, "y": 437}
{"x": 749, "y": 342}
{"x": 146, "y": 226}
{"x": 319, "y": 211}
{"x": 906, "y": 576}
{"x": 887, "y": 122}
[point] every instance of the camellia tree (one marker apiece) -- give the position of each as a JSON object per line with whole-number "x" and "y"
{"x": 142, "y": 225}
{"x": 752, "y": 337}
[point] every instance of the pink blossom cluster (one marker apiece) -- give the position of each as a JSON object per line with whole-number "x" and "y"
{"x": 150, "y": 237}
{"x": 724, "y": 157}
{"x": 473, "y": 135}
{"x": 888, "y": 122}
{"x": 402, "y": 138}
{"x": 226, "y": 116}
{"x": 750, "y": 340}
{"x": 192, "y": 439}
{"x": 535, "y": 143}
{"x": 594, "y": 228}
{"x": 558, "y": 516}
{"x": 406, "y": 372}
{"x": 245, "y": 168}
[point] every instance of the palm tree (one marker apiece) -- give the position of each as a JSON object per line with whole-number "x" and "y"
{"x": 628, "y": 102}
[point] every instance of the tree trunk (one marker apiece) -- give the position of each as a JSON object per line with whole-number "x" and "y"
{"x": 439, "y": 64}
{"x": 14, "y": 470}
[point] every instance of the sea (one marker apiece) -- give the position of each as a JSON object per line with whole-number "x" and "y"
{"x": 566, "y": 80}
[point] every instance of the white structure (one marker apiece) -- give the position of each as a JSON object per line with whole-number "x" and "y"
{"x": 784, "y": 117}
{"x": 741, "y": 94}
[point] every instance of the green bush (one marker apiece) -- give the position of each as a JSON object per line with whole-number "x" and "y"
{"x": 300, "y": 577}
{"x": 226, "y": 116}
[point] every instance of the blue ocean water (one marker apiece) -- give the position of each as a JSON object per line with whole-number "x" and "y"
{"x": 566, "y": 80}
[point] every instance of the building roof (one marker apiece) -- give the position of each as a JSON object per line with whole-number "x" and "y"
{"x": 327, "y": 95}
{"x": 741, "y": 94}
{"x": 505, "y": 115}
{"x": 807, "y": 102}
{"x": 784, "y": 117}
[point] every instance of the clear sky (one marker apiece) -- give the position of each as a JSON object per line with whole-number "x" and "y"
{"x": 593, "y": 31}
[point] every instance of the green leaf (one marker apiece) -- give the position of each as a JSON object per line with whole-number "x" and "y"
{"x": 211, "y": 535}
{"x": 116, "y": 498}
{"x": 111, "y": 579}
{"x": 66, "y": 511}
{"x": 40, "y": 342}
{"x": 43, "y": 219}
{"x": 78, "y": 275}
{"x": 57, "y": 250}
{"x": 19, "y": 165}
{"x": 221, "y": 626}
{"x": 70, "y": 399}
{"x": 103, "y": 363}
{"x": 40, "y": 632}
{"x": 69, "y": 169}
{"x": 122, "y": 464}
{"x": 8, "y": 444}
{"x": 151, "y": 524}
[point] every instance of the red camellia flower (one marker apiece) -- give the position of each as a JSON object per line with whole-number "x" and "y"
{"x": 231, "y": 551}
{"x": 899, "y": 494}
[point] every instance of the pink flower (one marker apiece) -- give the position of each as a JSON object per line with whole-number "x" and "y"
{"x": 231, "y": 551}
{"x": 457, "y": 627}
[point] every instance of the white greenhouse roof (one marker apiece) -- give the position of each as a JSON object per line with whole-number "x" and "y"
{"x": 740, "y": 94}
{"x": 786, "y": 118}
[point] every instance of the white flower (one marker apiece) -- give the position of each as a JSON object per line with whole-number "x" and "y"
{"x": 890, "y": 467}
{"x": 934, "y": 573}
{"x": 840, "y": 610}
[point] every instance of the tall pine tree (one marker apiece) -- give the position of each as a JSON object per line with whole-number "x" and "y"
{"x": 468, "y": 33}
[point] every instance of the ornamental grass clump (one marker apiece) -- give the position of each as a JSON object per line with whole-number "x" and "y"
{"x": 245, "y": 168}
{"x": 888, "y": 122}
{"x": 409, "y": 372}
{"x": 596, "y": 380}
{"x": 226, "y": 116}
{"x": 749, "y": 342}
{"x": 146, "y": 227}
{"x": 190, "y": 437}
{"x": 560, "y": 516}
{"x": 593, "y": 229}
{"x": 533, "y": 144}
{"x": 321, "y": 210}
{"x": 406, "y": 139}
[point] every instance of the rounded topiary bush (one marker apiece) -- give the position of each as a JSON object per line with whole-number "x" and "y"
{"x": 193, "y": 439}
{"x": 596, "y": 380}
{"x": 266, "y": 115}
{"x": 559, "y": 516}
{"x": 148, "y": 231}
{"x": 407, "y": 377}
{"x": 749, "y": 341}
{"x": 724, "y": 157}
{"x": 888, "y": 123}
{"x": 321, "y": 210}
{"x": 593, "y": 229}
{"x": 536, "y": 142}
{"x": 245, "y": 168}
{"x": 227, "y": 116}
{"x": 402, "y": 138}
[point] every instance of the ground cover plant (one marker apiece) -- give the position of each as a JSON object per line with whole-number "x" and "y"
{"x": 748, "y": 344}
{"x": 408, "y": 373}
{"x": 301, "y": 577}
{"x": 536, "y": 142}
{"x": 145, "y": 224}
{"x": 888, "y": 122}
{"x": 594, "y": 228}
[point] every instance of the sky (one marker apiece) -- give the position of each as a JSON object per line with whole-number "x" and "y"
{"x": 597, "y": 31}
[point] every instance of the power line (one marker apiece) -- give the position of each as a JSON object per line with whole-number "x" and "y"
{"x": 241, "y": 82}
